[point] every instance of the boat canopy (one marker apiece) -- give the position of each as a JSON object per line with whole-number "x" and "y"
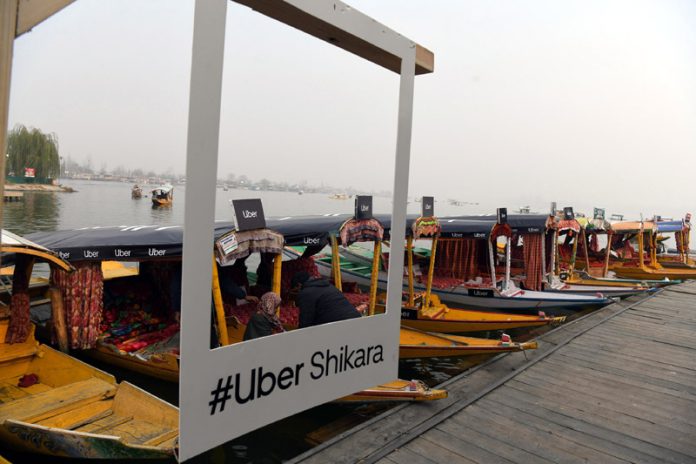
{"x": 119, "y": 243}
{"x": 519, "y": 223}
{"x": 465, "y": 228}
{"x": 565, "y": 225}
{"x": 594, "y": 225}
{"x": 123, "y": 243}
{"x": 633, "y": 227}
{"x": 163, "y": 189}
{"x": 670, "y": 226}
{"x": 14, "y": 244}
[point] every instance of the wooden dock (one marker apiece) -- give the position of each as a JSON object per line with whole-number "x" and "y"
{"x": 616, "y": 386}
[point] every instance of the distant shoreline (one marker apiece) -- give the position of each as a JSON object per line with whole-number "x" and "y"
{"x": 38, "y": 188}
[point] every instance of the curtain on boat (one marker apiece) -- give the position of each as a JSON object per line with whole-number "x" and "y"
{"x": 532, "y": 261}
{"x": 20, "y": 322}
{"x": 83, "y": 299}
{"x": 457, "y": 258}
{"x": 594, "y": 243}
{"x": 550, "y": 249}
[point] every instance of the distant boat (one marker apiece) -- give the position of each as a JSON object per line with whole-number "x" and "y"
{"x": 163, "y": 195}
{"x": 136, "y": 191}
{"x": 339, "y": 196}
{"x": 300, "y": 192}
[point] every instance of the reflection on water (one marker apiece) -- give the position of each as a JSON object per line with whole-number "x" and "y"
{"x": 37, "y": 211}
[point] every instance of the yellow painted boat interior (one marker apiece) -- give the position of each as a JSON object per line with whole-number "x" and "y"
{"x": 78, "y": 407}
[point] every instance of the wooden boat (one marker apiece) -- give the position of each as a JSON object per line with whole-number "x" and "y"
{"x": 413, "y": 342}
{"x": 594, "y": 269}
{"x": 138, "y": 244}
{"x": 471, "y": 293}
{"x": 425, "y": 311}
{"x": 77, "y": 411}
{"x": 641, "y": 262}
{"x": 398, "y": 390}
{"x": 682, "y": 234}
{"x": 163, "y": 195}
{"x": 136, "y": 192}
{"x": 418, "y": 344}
{"x": 574, "y": 231}
{"x": 53, "y": 404}
{"x": 443, "y": 319}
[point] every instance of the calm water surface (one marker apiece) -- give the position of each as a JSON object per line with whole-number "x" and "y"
{"x": 109, "y": 203}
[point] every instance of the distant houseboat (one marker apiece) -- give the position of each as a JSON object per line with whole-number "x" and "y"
{"x": 136, "y": 191}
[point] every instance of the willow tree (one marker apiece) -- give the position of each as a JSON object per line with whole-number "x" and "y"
{"x": 31, "y": 148}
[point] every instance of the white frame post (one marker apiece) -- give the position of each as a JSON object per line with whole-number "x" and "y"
{"x": 207, "y": 416}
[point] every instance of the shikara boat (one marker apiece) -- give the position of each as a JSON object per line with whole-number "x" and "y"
{"x": 594, "y": 269}
{"x": 398, "y": 390}
{"x": 418, "y": 344}
{"x": 438, "y": 317}
{"x": 53, "y": 404}
{"x": 163, "y": 195}
{"x": 425, "y": 311}
{"x": 150, "y": 244}
{"x": 640, "y": 261}
{"x": 573, "y": 233}
{"x": 136, "y": 192}
{"x": 325, "y": 230}
{"x": 682, "y": 235}
{"x": 464, "y": 274}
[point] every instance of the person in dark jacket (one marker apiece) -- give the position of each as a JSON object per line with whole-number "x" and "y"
{"x": 264, "y": 321}
{"x": 319, "y": 301}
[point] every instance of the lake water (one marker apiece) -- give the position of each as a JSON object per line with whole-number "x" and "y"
{"x": 109, "y": 203}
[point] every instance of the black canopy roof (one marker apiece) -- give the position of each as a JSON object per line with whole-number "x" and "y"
{"x": 125, "y": 243}
{"x": 520, "y": 223}
{"x": 465, "y": 228}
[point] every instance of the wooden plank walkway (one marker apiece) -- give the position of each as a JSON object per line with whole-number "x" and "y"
{"x": 616, "y": 386}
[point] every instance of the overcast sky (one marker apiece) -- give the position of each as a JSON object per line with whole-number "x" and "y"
{"x": 588, "y": 102}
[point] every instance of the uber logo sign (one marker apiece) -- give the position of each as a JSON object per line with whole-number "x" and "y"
{"x": 428, "y": 206}
{"x": 249, "y": 214}
{"x": 363, "y": 207}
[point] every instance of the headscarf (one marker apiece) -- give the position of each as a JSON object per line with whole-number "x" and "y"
{"x": 267, "y": 307}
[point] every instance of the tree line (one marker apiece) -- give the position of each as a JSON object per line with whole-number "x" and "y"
{"x": 31, "y": 148}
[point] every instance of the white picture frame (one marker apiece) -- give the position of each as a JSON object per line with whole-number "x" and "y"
{"x": 210, "y": 414}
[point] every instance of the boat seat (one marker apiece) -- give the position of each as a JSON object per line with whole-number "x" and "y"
{"x": 57, "y": 401}
{"x": 18, "y": 351}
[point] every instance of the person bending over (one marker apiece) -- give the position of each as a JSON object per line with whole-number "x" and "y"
{"x": 319, "y": 301}
{"x": 264, "y": 321}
